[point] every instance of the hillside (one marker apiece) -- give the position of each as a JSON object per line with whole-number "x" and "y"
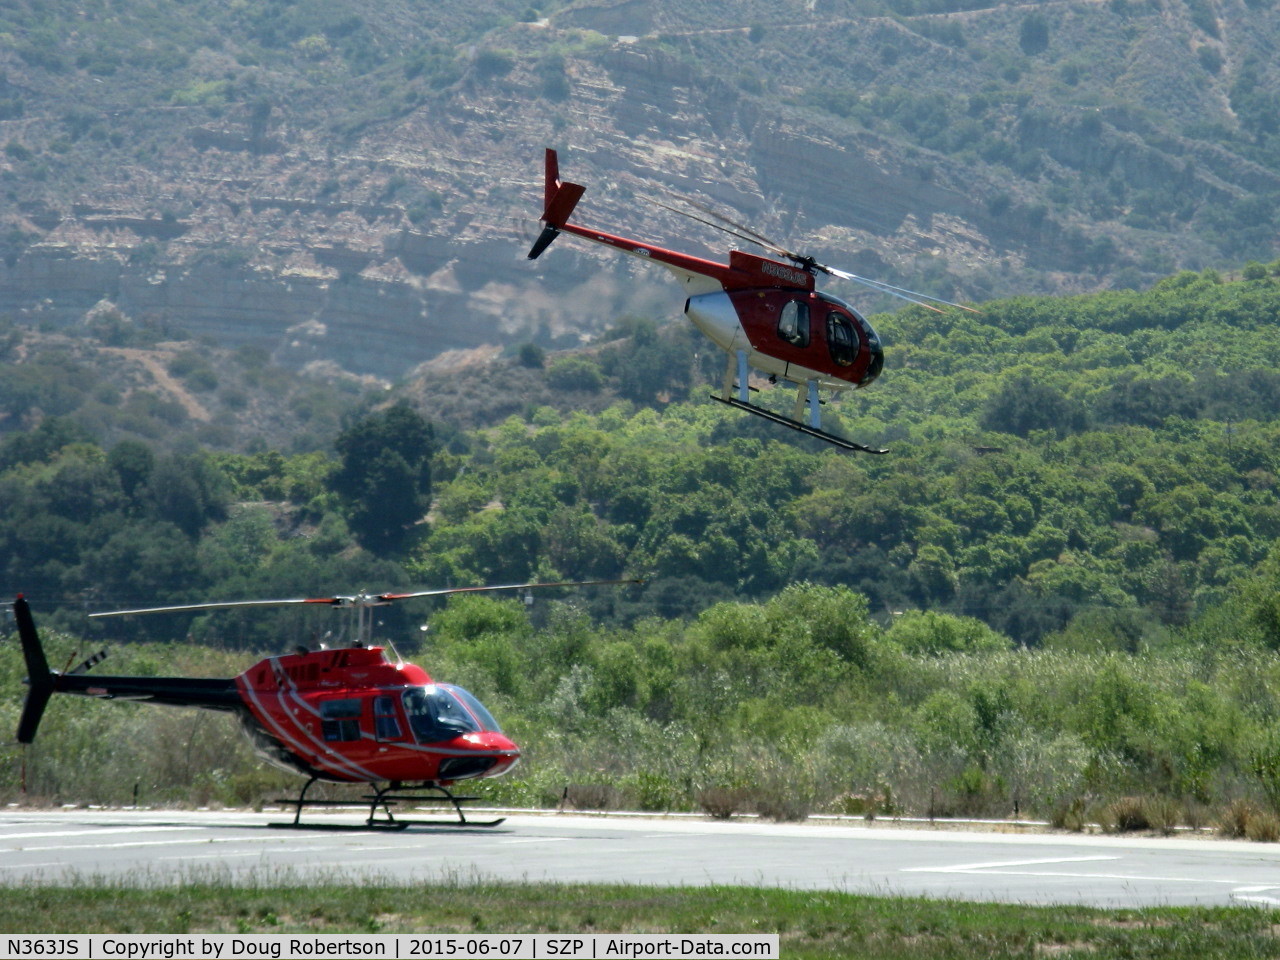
{"x": 350, "y": 183}
{"x": 117, "y": 379}
{"x": 1057, "y": 592}
{"x": 1050, "y": 458}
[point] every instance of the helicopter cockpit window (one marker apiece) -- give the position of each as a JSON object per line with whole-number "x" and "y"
{"x": 793, "y": 323}
{"x": 440, "y": 712}
{"x": 340, "y": 719}
{"x": 483, "y": 716}
{"x": 842, "y": 340}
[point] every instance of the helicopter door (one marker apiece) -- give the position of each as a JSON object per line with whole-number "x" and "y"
{"x": 386, "y": 724}
{"x": 842, "y": 340}
{"x": 793, "y": 323}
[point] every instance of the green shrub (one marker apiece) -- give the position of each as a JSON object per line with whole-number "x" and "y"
{"x": 574, "y": 373}
{"x": 721, "y": 802}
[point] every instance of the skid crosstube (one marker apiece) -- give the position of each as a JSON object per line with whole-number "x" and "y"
{"x": 386, "y": 797}
{"x": 796, "y": 425}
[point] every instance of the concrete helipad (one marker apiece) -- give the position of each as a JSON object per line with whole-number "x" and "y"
{"x": 159, "y": 846}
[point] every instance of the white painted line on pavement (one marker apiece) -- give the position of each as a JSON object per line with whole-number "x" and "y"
{"x": 975, "y": 867}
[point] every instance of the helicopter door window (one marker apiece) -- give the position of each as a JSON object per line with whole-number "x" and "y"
{"x": 386, "y": 726}
{"x": 793, "y": 323}
{"x": 842, "y": 341}
{"x": 340, "y": 719}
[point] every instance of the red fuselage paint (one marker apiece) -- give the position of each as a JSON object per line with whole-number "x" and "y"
{"x": 343, "y": 715}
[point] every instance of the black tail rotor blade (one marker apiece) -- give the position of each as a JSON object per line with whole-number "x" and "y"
{"x": 89, "y": 664}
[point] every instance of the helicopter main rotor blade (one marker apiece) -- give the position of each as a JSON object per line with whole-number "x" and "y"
{"x": 716, "y": 226}
{"x": 743, "y": 232}
{"x": 446, "y": 591}
{"x": 740, "y": 231}
{"x": 759, "y": 237}
{"x": 913, "y": 295}
{"x": 227, "y": 605}
{"x": 360, "y": 599}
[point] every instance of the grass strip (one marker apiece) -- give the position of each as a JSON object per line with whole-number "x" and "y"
{"x": 811, "y": 923}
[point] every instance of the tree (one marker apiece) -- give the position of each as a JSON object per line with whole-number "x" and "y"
{"x": 532, "y": 356}
{"x": 43, "y": 442}
{"x": 133, "y": 461}
{"x": 937, "y": 634}
{"x": 1025, "y": 404}
{"x": 1033, "y": 37}
{"x": 385, "y": 475}
{"x": 187, "y": 491}
{"x": 574, "y": 373}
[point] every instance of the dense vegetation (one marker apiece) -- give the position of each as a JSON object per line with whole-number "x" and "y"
{"x": 1058, "y": 589}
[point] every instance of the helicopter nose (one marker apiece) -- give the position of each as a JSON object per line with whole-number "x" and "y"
{"x": 491, "y": 740}
{"x": 874, "y": 347}
{"x": 488, "y": 754}
{"x": 874, "y": 367}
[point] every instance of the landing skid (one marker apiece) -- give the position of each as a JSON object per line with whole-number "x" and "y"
{"x": 386, "y": 797}
{"x": 737, "y": 368}
{"x": 797, "y": 425}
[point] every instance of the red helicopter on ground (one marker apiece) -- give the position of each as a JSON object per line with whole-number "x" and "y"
{"x": 344, "y": 715}
{"x": 765, "y": 314}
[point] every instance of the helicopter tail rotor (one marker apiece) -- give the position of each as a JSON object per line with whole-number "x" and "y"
{"x": 559, "y": 200}
{"x": 39, "y": 677}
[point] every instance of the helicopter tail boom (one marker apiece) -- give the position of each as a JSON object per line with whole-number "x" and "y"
{"x": 213, "y": 694}
{"x": 559, "y": 200}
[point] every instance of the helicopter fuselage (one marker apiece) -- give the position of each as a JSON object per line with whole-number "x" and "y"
{"x": 765, "y": 314}
{"x": 351, "y": 715}
{"x": 768, "y": 309}
{"x": 347, "y": 715}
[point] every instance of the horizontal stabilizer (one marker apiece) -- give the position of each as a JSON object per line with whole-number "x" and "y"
{"x": 566, "y": 197}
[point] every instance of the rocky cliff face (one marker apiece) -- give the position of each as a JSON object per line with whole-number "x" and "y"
{"x": 379, "y": 224}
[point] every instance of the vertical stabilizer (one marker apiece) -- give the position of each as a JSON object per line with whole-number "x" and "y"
{"x": 559, "y": 199}
{"x": 553, "y": 179}
{"x": 39, "y": 677}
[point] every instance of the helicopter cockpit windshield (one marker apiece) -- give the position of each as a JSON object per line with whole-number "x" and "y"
{"x": 441, "y": 711}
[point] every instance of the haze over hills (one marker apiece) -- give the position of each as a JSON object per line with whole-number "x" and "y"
{"x": 350, "y": 183}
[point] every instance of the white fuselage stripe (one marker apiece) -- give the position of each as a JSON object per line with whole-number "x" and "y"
{"x": 311, "y": 756}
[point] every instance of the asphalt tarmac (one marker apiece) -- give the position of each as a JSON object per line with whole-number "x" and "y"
{"x": 150, "y": 846}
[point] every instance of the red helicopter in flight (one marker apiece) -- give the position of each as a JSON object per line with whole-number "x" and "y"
{"x": 765, "y": 314}
{"x": 343, "y": 715}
